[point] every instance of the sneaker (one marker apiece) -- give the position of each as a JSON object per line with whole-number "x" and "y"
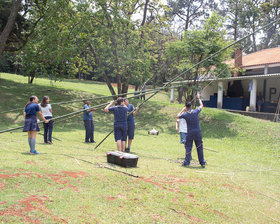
{"x": 127, "y": 150}
{"x": 92, "y": 141}
{"x": 203, "y": 166}
{"x": 185, "y": 165}
{"x": 49, "y": 142}
{"x": 33, "y": 152}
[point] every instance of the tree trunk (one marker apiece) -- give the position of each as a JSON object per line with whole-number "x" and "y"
{"x": 143, "y": 21}
{"x": 187, "y": 19}
{"x": 180, "y": 94}
{"x": 235, "y": 22}
{"x": 145, "y": 13}
{"x": 108, "y": 82}
{"x": 9, "y": 26}
{"x": 31, "y": 77}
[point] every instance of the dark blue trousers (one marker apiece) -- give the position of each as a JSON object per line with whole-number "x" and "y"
{"x": 48, "y": 128}
{"x": 197, "y": 138}
{"x": 89, "y": 126}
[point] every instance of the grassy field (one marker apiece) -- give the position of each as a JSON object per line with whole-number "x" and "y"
{"x": 67, "y": 182}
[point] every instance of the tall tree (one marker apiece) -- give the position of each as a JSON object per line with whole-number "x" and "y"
{"x": 231, "y": 10}
{"x": 270, "y": 11}
{"x": 196, "y": 46}
{"x": 190, "y": 12}
{"x": 250, "y": 19}
{"x": 9, "y": 25}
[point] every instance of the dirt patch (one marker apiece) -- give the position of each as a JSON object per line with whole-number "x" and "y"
{"x": 195, "y": 219}
{"x": 111, "y": 198}
{"x": 33, "y": 163}
{"x": 63, "y": 180}
{"x": 169, "y": 183}
{"x": 240, "y": 190}
{"x": 31, "y": 204}
{"x": 2, "y": 186}
{"x": 156, "y": 217}
{"x": 75, "y": 174}
{"x": 220, "y": 214}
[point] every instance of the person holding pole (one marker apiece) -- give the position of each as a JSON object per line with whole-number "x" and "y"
{"x": 88, "y": 122}
{"x": 120, "y": 122}
{"x": 30, "y": 124}
{"x": 130, "y": 123}
{"x": 194, "y": 132}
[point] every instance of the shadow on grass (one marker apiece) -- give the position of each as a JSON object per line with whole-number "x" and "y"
{"x": 151, "y": 115}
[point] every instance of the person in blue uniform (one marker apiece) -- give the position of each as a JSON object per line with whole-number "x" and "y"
{"x": 194, "y": 133}
{"x": 88, "y": 122}
{"x": 120, "y": 122}
{"x": 30, "y": 123}
{"x": 130, "y": 123}
{"x": 143, "y": 90}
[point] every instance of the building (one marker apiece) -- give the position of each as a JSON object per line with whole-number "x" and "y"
{"x": 260, "y": 80}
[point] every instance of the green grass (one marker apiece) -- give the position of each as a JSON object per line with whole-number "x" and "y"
{"x": 239, "y": 185}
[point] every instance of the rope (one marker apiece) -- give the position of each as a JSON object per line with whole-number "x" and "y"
{"x": 103, "y": 166}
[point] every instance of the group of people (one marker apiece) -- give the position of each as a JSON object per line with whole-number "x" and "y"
{"x": 124, "y": 125}
{"x": 143, "y": 90}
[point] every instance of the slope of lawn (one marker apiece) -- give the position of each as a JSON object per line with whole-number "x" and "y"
{"x": 67, "y": 181}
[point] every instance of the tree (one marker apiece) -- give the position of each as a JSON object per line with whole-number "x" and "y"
{"x": 250, "y": 19}
{"x": 18, "y": 20}
{"x": 49, "y": 51}
{"x": 119, "y": 47}
{"x": 190, "y": 11}
{"x": 9, "y": 25}
{"x": 196, "y": 46}
{"x": 270, "y": 11}
{"x": 231, "y": 9}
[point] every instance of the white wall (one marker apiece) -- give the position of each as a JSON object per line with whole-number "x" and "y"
{"x": 209, "y": 90}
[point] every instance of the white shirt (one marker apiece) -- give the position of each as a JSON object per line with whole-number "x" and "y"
{"x": 183, "y": 125}
{"x": 46, "y": 110}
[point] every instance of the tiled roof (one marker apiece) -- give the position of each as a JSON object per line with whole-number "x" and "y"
{"x": 262, "y": 57}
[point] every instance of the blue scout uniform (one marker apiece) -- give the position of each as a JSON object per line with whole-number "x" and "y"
{"x": 194, "y": 134}
{"x": 120, "y": 122}
{"x": 130, "y": 122}
{"x": 30, "y": 123}
{"x": 89, "y": 126}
